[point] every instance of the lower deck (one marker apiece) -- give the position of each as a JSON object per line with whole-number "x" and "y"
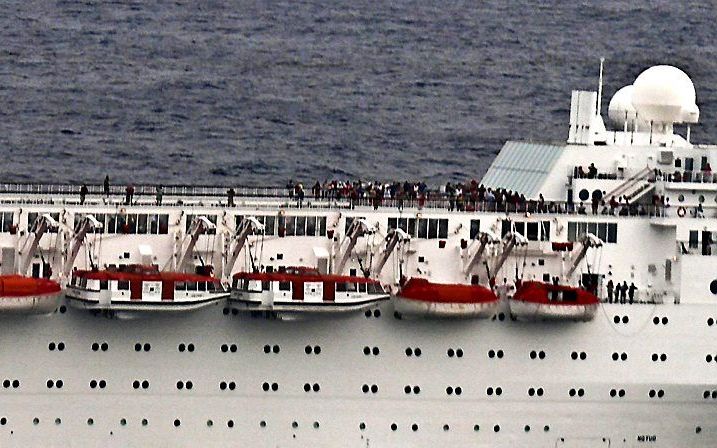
{"x": 634, "y": 376}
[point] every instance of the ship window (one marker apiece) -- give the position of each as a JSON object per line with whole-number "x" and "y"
{"x": 290, "y": 225}
{"x": 374, "y": 288}
{"x": 713, "y": 287}
{"x": 362, "y": 287}
{"x": 322, "y": 225}
{"x": 301, "y": 226}
{"x": 284, "y": 286}
{"x": 520, "y": 228}
{"x": 602, "y": 231}
{"x": 111, "y": 223}
{"x": 202, "y": 286}
{"x": 592, "y": 228}
{"x": 163, "y": 224}
{"x": 475, "y": 228}
{"x": 131, "y": 226}
{"x": 532, "y": 231}
{"x": 545, "y": 234}
{"x": 123, "y": 285}
{"x": 121, "y": 224}
{"x": 422, "y": 228}
{"x": 693, "y": 239}
{"x": 412, "y": 227}
{"x": 340, "y": 287}
{"x": 265, "y": 285}
{"x": 572, "y": 230}
{"x": 392, "y": 223}
{"x": 211, "y": 286}
{"x": 443, "y": 228}
{"x": 350, "y": 287}
{"x": 311, "y": 225}
{"x": 104, "y": 284}
{"x": 432, "y": 228}
{"x": 32, "y": 217}
{"x": 142, "y": 224}
{"x": 612, "y": 233}
{"x": 191, "y": 286}
{"x": 504, "y": 227}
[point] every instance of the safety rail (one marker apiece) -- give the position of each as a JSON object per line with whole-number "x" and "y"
{"x": 630, "y": 183}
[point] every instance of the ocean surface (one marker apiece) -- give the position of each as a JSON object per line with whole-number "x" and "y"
{"x": 258, "y": 92}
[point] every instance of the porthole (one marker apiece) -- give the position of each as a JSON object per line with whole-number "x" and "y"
{"x": 681, "y": 198}
{"x": 294, "y": 424}
{"x": 526, "y": 428}
{"x": 177, "y": 422}
{"x": 713, "y": 286}
{"x": 546, "y": 428}
{"x": 230, "y": 423}
{"x": 375, "y": 351}
{"x": 584, "y": 195}
{"x": 262, "y": 424}
{"x": 123, "y": 421}
{"x": 409, "y": 351}
{"x": 414, "y": 427}
{"x": 496, "y": 428}
{"x": 701, "y": 198}
{"x": 449, "y": 390}
{"x": 308, "y": 350}
{"x": 58, "y": 421}
{"x": 376, "y": 313}
{"x": 35, "y": 421}
{"x": 145, "y": 422}
{"x": 233, "y": 348}
{"x": 476, "y": 428}
{"x": 450, "y": 353}
{"x": 394, "y": 427}
{"x": 698, "y": 430}
{"x": 362, "y": 426}
{"x": 625, "y": 319}
{"x": 446, "y": 427}
{"x": 90, "y": 421}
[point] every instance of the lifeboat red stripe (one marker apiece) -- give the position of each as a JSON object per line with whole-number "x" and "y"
{"x": 303, "y": 277}
{"x": 423, "y": 290}
{"x": 20, "y": 286}
{"x": 144, "y": 276}
{"x": 539, "y": 292}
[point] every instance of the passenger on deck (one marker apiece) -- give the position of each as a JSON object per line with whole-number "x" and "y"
{"x": 623, "y": 292}
{"x": 631, "y": 292}
{"x": 230, "y": 197}
{"x": 160, "y": 193}
{"x": 83, "y": 193}
{"x": 610, "y": 287}
{"x": 317, "y": 190}
{"x": 128, "y": 194}
{"x": 592, "y": 171}
{"x": 107, "y": 186}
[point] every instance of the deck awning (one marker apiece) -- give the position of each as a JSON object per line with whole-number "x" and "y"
{"x": 522, "y": 167}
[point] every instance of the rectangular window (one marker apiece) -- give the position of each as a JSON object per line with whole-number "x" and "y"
{"x": 694, "y": 239}
{"x": 121, "y": 224}
{"x": 182, "y": 286}
{"x": 422, "y": 228}
{"x": 592, "y": 228}
{"x": 269, "y": 225}
{"x": 340, "y": 287}
{"x": 284, "y": 286}
{"x": 612, "y": 233}
{"x": 545, "y": 233}
{"x": 475, "y": 228}
{"x": 104, "y": 284}
{"x": 504, "y": 228}
{"x": 123, "y": 285}
{"x": 602, "y": 231}
{"x": 190, "y": 219}
{"x": 442, "y": 228}
{"x": 300, "y": 225}
{"x": 392, "y": 223}
{"x": 290, "y": 225}
{"x": 403, "y": 224}
{"x": 532, "y": 231}
{"x": 412, "y": 227}
{"x": 432, "y": 228}
{"x": 32, "y": 217}
{"x": 322, "y": 225}
{"x": 347, "y": 223}
{"x": 142, "y": 224}
{"x": 572, "y": 231}
{"x": 311, "y": 225}
{"x": 132, "y": 224}
{"x": 520, "y": 227}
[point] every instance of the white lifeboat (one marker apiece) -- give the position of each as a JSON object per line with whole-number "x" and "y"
{"x": 545, "y": 301}
{"x": 28, "y": 295}
{"x": 137, "y": 290}
{"x": 419, "y": 297}
{"x": 302, "y": 290}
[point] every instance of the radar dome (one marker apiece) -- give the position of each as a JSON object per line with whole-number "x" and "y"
{"x": 665, "y": 94}
{"x": 621, "y": 110}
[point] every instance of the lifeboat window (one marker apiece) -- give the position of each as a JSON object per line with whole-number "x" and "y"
{"x": 350, "y": 287}
{"x": 311, "y": 225}
{"x": 104, "y": 284}
{"x": 235, "y": 283}
{"x": 211, "y": 286}
{"x": 123, "y": 285}
{"x": 422, "y": 228}
{"x": 265, "y": 285}
{"x": 301, "y": 226}
{"x": 83, "y": 282}
{"x": 570, "y": 296}
{"x": 202, "y": 286}
{"x": 180, "y": 286}
{"x": 362, "y": 287}
{"x": 191, "y": 286}
{"x": 340, "y": 287}
{"x": 475, "y": 228}
{"x": 284, "y": 286}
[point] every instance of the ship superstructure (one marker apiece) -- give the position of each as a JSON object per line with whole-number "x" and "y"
{"x": 627, "y": 216}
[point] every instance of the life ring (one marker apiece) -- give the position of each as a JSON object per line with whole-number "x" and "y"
{"x": 681, "y": 212}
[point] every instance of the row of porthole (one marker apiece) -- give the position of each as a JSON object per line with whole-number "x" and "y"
{"x": 537, "y": 354}
{"x": 144, "y": 384}
{"x": 185, "y": 385}
{"x": 710, "y": 358}
{"x": 309, "y": 387}
{"x": 272, "y": 349}
{"x": 60, "y": 346}
{"x": 375, "y": 313}
{"x": 266, "y": 387}
{"x": 458, "y": 353}
{"x": 662, "y": 357}
{"x": 96, "y": 346}
{"x": 656, "y": 393}
{"x": 262, "y": 424}
{"x": 656, "y": 320}
{"x": 619, "y": 356}
{"x": 7, "y": 383}
{"x": 578, "y": 355}
{"x": 413, "y": 351}
{"x": 623, "y": 319}
{"x": 138, "y": 347}
{"x": 617, "y": 393}
{"x": 710, "y": 394}
{"x": 188, "y": 347}
{"x": 375, "y": 351}
{"x": 711, "y": 321}
{"x": 55, "y": 383}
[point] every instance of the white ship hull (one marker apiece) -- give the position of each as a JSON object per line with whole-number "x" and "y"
{"x": 37, "y": 304}
{"x": 473, "y": 418}
{"x": 421, "y": 308}
{"x": 539, "y": 311}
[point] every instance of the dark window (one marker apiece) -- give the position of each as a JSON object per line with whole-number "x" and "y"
{"x": 612, "y": 233}
{"x": 284, "y": 286}
{"x": 442, "y": 228}
{"x": 422, "y": 228}
{"x": 432, "y": 228}
{"x": 123, "y": 285}
{"x": 545, "y": 234}
{"x": 475, "y": 228}
{"x": 532, "y": 231}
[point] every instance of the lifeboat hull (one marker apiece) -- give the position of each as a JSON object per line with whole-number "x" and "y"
{"x": 34, "y": 304}
{"x": 523, "y": 310}
{"x": 263, "y": 302}
{"x": 421, "y": 308}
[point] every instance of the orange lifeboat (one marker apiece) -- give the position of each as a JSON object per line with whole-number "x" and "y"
{"x": 545, "y": 301}
{"x": 28, "y": 295}
{"x": 419, "y": 297}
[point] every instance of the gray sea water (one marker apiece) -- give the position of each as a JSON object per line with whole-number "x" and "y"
{"x": 257, "y": 92}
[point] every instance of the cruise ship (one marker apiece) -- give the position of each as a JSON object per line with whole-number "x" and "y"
{"x": 568, "y": 299}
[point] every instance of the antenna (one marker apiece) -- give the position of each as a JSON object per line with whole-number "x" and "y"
{"x": 599, "y": 99}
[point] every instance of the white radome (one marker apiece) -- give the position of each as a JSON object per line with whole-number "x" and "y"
{"x": 665, "y": 94}
{"x": 621, "y": 110}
